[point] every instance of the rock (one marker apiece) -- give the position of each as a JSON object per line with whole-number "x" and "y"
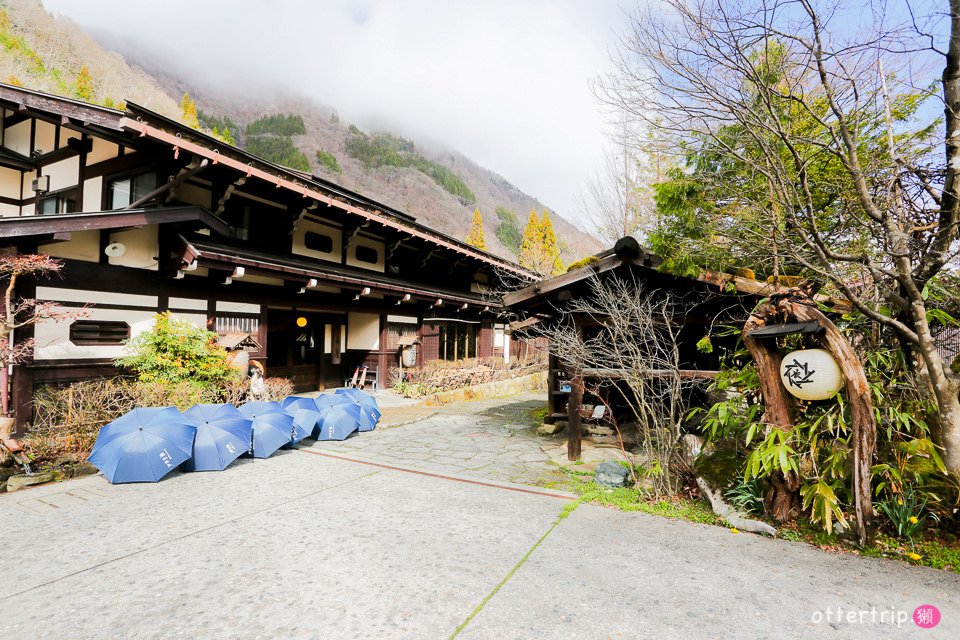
{"x": 15, "y": 483}
{"x": 690, "y": 448}
{"x": 612, "y": 474}
{"x": 733, "y": 517}
{"x": 547, "y": 429}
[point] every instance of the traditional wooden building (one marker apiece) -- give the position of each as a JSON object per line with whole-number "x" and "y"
{"x": 149, "y": 215}
{"x": 713, "y": 300}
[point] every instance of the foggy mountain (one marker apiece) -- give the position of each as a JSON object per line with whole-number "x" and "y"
{"x": 438, "y": 186}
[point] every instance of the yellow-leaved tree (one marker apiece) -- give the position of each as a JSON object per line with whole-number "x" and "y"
{"x": 476, "y": 237}
{"x": 530, "y": 245}
{"x": 551, "y": 250}
{"x": 539, "y": 250}
{"x": 84, "y": 85}
{"x": 188, "y": 112}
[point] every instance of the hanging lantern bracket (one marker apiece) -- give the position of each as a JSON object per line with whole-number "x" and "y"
{"x": 812, "y": 328}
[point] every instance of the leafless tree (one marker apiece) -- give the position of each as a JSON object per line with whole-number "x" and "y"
{"x": 696, "y": 68}
{"x": 617, "y": 199}
{"x": 623, "y": 340}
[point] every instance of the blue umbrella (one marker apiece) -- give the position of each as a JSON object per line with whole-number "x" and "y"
{"x": 292, "y": 404}
{"x": 304, "y": 423}
{"x": 223, "y": 435}
{"x": 339, "y": 421}
{"x": 143, "y": 445}
{"x": 369, "y": 411}
{"x": 272, "y": 426}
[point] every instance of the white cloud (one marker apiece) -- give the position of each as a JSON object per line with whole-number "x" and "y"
{"x": 504, "y": 82}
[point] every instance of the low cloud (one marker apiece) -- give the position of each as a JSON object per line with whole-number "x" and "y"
{"x": 504, "y": 82}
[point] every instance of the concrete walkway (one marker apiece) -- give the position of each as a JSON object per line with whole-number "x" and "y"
{"x": 303, "y": 545}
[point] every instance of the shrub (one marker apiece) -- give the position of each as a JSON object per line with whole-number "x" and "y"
{"x": 67, "y": 419}
{"x": 328, "y": 161}
{"x": 177, "y": 350}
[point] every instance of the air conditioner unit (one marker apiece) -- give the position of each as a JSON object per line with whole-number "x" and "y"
{"x": 41, "y": 184}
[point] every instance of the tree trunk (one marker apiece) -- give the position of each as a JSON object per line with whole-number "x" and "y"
{"x": 862, "y": 417}
{"x": 782, "y": 499}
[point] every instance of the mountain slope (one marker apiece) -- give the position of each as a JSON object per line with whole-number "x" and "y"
{"x": 440, "y": 187}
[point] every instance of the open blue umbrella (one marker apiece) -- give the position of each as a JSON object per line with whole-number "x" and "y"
{"x": 338, "y": 422}
{"x": 304, "y": 423}
{"x": 292, "y": 404}
{"x": 223, "y": 435}
{"x": 272, "y": 426}
{"x": 144, "y": 445}
{"x": 369, "y": 411}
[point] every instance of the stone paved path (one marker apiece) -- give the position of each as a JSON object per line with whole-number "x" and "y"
{"x": 494, "y": 439}
{"x": 301, "y": 545}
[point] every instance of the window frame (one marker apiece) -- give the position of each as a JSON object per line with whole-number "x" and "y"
{"x": 99, "y": 340}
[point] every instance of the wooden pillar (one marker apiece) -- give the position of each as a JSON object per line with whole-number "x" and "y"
{"x": 573, "y": 418}
{"x": 574, "y": 425}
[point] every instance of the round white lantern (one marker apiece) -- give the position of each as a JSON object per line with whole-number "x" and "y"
{"x": 811, "y": 374}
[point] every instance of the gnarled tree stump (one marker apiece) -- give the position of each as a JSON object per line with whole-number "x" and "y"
{"x": 794, "y": 305}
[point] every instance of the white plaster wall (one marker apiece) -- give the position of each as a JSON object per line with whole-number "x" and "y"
{"x": 102, "y": 150}
{"x": 237, "y": 307}
{"x": 92, "y": 194}
{"x": 57, "y": 294}
{"x": 363, "y": 331}
{"x": 187, "y": 303}
{"x": 305, "y": 226}
{"x": 63, "y": 174}
{"x": 142, "y": 247}
{"x": 82, "y": 245}
{"x": 67, "y": 134}
{"x": 27, "y": 183}
{"x": 27, "y": 209}
{"x": 9, "y": 183}
{"x": 8, "y": 210}
{"x": 193, "y": 194}
{"x": 46, "y": 137}
{"x": 360, "y": 241}
{"x": 52, "y": 339}
{"x": 17, "y": 138}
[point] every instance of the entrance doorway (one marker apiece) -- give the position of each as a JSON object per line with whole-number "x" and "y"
{"x": 297, "y": 348}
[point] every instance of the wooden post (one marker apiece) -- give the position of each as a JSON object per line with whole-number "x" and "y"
{"x": 574, "y": 424}
{"x": 573, "y": 418}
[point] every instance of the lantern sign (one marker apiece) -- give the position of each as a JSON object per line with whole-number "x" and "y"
{"x": 811, "y": 374}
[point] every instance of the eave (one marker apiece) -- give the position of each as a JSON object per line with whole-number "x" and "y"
{"x": 217, "y": 256}
{"x": 39, "y": 225}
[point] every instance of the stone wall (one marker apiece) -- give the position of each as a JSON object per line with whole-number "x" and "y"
{"x": 532, "y": 382}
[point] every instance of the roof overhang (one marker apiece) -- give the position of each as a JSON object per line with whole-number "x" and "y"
{"x": 217, "y": 256}
{"x": 283, "y": 178}
{"x": 39, "y": 225}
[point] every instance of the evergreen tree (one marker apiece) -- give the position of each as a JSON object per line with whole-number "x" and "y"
{"x": 476, "y": 237}
{"x": 84, "y": 85}
{"x": 188, "y": 112}
{"x": 531, "y": 245}
{"x": 550, "y": 251}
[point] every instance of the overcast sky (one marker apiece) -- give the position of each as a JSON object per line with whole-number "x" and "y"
{"x": 505, "y": 82}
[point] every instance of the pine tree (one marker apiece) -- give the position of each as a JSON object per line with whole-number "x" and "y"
{"x": 476, "y": 237}
{"x": 188, "y": 112}
{"x": 531, "y": 245}
{"x": 83, "y": 88}
{"x": 550, "y": 250}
